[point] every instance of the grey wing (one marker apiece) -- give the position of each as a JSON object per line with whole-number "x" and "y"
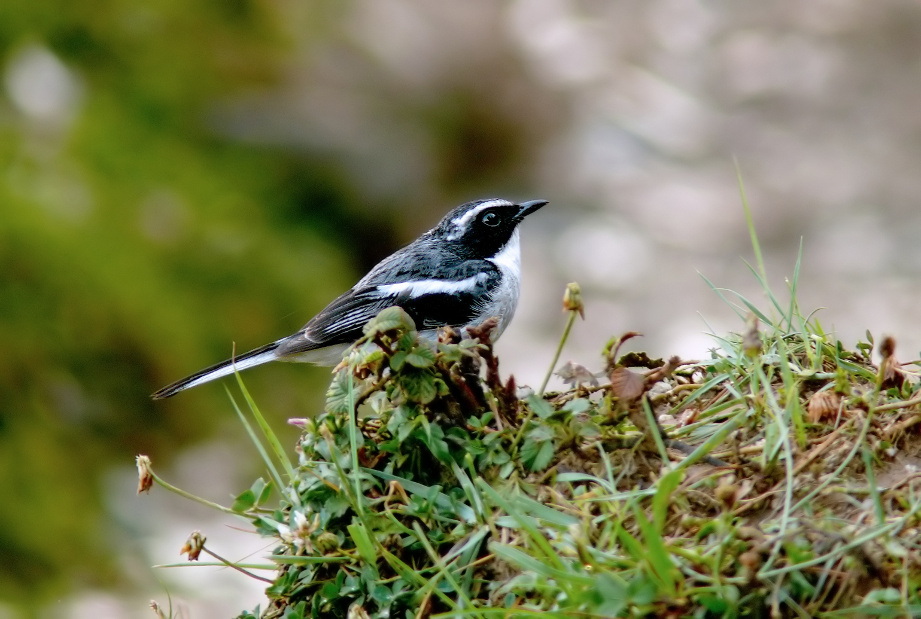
{"x": 438, "y": 293}
{"x": 448, "y": 296}
{"x": 341, "y": 322}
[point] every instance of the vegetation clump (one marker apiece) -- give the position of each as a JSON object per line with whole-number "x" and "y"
{"x": 776, "y": 478}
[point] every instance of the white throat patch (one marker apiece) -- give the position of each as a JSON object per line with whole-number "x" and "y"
{"x": 503, "y": 301}
{"x": 509, "y": 257}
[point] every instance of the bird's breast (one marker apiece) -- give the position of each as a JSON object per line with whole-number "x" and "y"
{"x": 503, "y": 300}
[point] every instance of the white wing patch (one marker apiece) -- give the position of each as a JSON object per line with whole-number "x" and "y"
{"x": 433, "y": 286}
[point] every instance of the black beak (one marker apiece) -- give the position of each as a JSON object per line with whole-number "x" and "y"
{"x": 530, "y": 207}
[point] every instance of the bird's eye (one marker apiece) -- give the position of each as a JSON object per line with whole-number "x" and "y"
{"x": 490, "y": 219}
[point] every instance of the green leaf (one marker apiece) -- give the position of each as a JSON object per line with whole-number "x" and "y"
{"x": 261, "y": 491}
{"x": 397, "y": 360}
{"x": 588, "y": 430}
{"x": 434, "y": 438}
{"x": 390, "y": 319}
{"x": 443, "y": 501}
{"x": 263, "y": 496}
{"x": 337, "y": 505}
{"x": 363, "y": 543}
{"x": 419, "y": 386}
{"x": 244, "y": 501}
{"x": 577, "y": 406}
{"x": 337, "y": 396}
{"x": 540, "y": 406}
{"x": 714, "y": 604}
{"x": 407, "y": 341}
{"x": 536, "y": 455}
{"x": 400, "y": 425}
{"x": 541, "y": 433}
{"x": 450, "y": 352}
{"x": 421, "y": 357}
{"x": 407, "y": 427}
{"x": 544, "y": 456}
{"x": 382, "y": 594}
{"x": 643, "y": 590}
{"x": 529, "y": 451}
{"x": 613, "y": 593}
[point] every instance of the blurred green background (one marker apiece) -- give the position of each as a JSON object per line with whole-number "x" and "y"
{"x": 136, "y": 243}
{"x": 179, "y": 176}
{"x": 142, "y": 233}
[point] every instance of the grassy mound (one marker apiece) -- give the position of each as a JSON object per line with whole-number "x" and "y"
{"x": 776, "y": 478}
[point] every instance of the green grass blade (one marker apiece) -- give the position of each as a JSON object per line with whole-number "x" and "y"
{"x": 280, "y": 454}
{"x": 441, "y": 567}
{"x": 353, "y": 443}
{"x": 794, "y": 288}
{"x": 470, "y": 491}
{"x": 756, "y": 246}
{"x": 768, "y": 292}
{"x": 465, "y": 513}
{"x": 719, "y": 293}
{"x": 526, "y": 523}
{"x": 269, "y": 463}
{"x": 657, "y": 554}
{"x": 526, "y": 562}
{"x": 661, "y": 501}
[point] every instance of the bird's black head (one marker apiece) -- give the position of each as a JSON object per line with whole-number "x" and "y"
{"x": 480, "y": 229}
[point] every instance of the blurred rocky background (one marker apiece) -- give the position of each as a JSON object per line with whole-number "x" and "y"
{"x": 177, "y": 177}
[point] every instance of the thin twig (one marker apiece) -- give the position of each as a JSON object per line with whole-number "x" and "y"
{"x": 236, "y": 567}
{"x": 559, "y": 351}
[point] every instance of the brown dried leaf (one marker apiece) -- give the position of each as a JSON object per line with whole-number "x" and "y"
{"x": 887, "y": 347}
{"x": 751, "y": 339}
{"x": 890, "y": 368}
{"x": 483, "y": 331}
{"x": 448, "y": 335}
{"x": 626, "y": 385}
{"x": 613, "y": 348}
{"x": 193, "y": 546}
{"x": 663, "y": 371}
{"x": 145, "y": 475}
{"x": 823, "y": 405}
{"x": 575, "y": 374}
{"x": 728, "y": 491}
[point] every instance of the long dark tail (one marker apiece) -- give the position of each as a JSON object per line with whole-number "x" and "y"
{"x": 247, "y": 360}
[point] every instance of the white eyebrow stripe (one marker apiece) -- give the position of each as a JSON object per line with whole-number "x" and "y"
{"x": 432, "y": 286}
{"x": 461, "y": 221}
